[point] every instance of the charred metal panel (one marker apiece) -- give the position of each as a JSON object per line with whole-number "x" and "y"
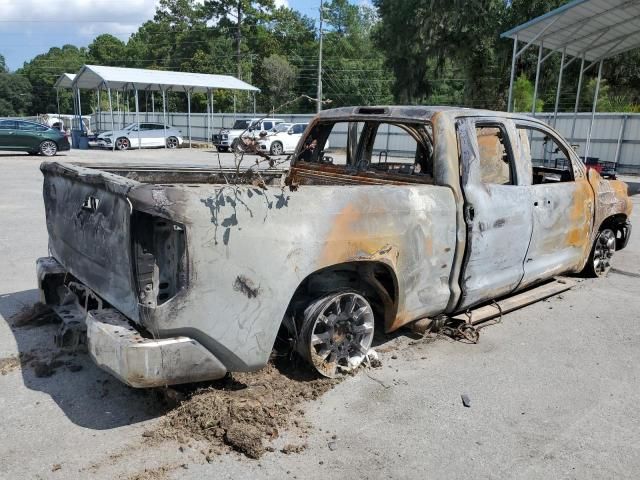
{"x": 250, "y": 248}
{"x": 88, "y": 223}
{"x": 499, "y": 225}
{"x": 611, "y": 198}
{"x": 562, "y": 225}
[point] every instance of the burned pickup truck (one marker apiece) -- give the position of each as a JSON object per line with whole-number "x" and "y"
{"x": 185, "y": 274}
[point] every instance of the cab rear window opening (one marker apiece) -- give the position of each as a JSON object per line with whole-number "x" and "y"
{"x": 372, "y": 146}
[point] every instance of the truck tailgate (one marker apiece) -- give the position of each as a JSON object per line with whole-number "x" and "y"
{"x": 88, "y": 221}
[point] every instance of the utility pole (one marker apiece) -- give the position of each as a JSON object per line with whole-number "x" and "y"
{"x": 319, "y": 92}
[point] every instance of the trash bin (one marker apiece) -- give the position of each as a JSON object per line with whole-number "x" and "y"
{"x": 84, "y": 142}
{"x": 75, "y": 138}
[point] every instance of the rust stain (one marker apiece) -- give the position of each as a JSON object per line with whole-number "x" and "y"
{"x": 348, "y": 240}
{"x": 580, "y": 216}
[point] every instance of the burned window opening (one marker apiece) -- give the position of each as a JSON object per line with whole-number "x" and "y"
{"x": 496, "y": 159}
{"x": 406, "y": 150}
{"x": 549, "y": 159}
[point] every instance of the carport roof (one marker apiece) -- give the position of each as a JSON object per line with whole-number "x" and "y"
{"x": 597, "y": 29}
{"x": 93, "y": 76}
{"x": 65, "y": 80}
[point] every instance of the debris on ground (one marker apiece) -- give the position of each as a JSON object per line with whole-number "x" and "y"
{"x": 373, "y": 359}
{"x": 159, "y": 473}
{"x": 55, "y": 467}
{"x": 244, "y": 410}
{"x": 332, "y": 446}
{"x": 34, "y": 316}
{"x": 466, "y": 401}
{"x": 291, "y": 448}
{"x": 43, "y": 369}
{"x": 9, "y": 364}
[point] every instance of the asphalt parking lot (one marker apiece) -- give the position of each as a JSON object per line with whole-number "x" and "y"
{"x": 554, "y": 387}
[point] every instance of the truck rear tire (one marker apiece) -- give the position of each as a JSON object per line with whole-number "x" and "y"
{"x": 336, "y": 332}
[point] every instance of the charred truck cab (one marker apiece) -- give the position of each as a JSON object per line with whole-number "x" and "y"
{"x": 175, "y": 275}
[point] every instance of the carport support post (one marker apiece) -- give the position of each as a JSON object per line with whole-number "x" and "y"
{"x": 254, "y": 102}
{"x": 593, "y": 111}
{"x": 535, "y": 88}
{"x": 559, "y": 89}
{"x": 189, "y": 114}
{"x": 212, "y": 126}
{"x": 137, "y": 118}
{"x": 575, "y": 109}
{"x": 208, "y": 116}
{"x": 620, "y": 137}
{"x": 164, "y": 117}
{"x": 513, "y": 71}
{"x": 113, "y": 128}
{"x": 58, "y": 104}
{"x": 99, "y": 122}
{"x": 79, "y": 110}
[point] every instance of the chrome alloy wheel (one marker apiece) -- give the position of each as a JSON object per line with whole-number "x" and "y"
{"x": 48, "y": 148}
{"x": 603, "y": 250}
{"x": 338, "y": 332}
{"x": 172, "y": 142}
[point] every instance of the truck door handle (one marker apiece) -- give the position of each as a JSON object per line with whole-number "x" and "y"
{"x": 469, "y": 212}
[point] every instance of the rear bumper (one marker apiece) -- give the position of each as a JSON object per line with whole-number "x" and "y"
{"x": 117, "y": 347}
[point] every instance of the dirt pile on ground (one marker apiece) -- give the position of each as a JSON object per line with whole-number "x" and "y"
{"x": 34, "y": 315}
{"x": 246, "y": 409}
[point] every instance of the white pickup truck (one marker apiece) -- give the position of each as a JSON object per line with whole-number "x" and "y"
{"x": 250, "y": 127}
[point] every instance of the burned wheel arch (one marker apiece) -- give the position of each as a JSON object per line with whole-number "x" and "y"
{"x": 376, "y": 281}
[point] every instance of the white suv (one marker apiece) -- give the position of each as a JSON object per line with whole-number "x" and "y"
{"x": 283, "y": 138}
{"x": 250, "y": 127}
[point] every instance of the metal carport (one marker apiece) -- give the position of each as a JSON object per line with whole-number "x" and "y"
{"x": 98, "y": 78}
{"x": 586, "y": 30}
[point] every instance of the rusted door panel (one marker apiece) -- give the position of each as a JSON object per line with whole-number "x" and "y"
{"x": 499, "y": 227}
{"x": 562, "y": 224}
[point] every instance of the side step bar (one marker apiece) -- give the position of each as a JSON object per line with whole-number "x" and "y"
{"x": 497, "y": 308}
{"x": 519, "y": 300}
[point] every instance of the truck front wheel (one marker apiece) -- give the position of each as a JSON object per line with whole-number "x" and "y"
{"x": 602, "y": 251}
{"x": 336, "y": 332}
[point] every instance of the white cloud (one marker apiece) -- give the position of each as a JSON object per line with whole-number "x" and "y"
{"x": 87, "y": 17}
{"x": 282, "y": 3}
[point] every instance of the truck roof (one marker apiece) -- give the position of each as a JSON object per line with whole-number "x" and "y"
{"x": 406, "y": 112}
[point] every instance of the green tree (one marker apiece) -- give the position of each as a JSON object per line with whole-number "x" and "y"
{"x": 354, "y": 71}
{"x": 43, "y": 71}
{"x": 237, "y": 16}
{"x": 3, "y": 65}
{"x": 523, "y": 95}
{"x": 280, "y": 77}
{"x": 15, "y": 95}
{"x": 107, "y": 50}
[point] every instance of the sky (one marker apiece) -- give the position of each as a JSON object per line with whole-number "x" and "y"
{"x": 31, "y": 27}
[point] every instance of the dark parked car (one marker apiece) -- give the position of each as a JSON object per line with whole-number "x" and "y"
{"x": 32, "y": 138}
